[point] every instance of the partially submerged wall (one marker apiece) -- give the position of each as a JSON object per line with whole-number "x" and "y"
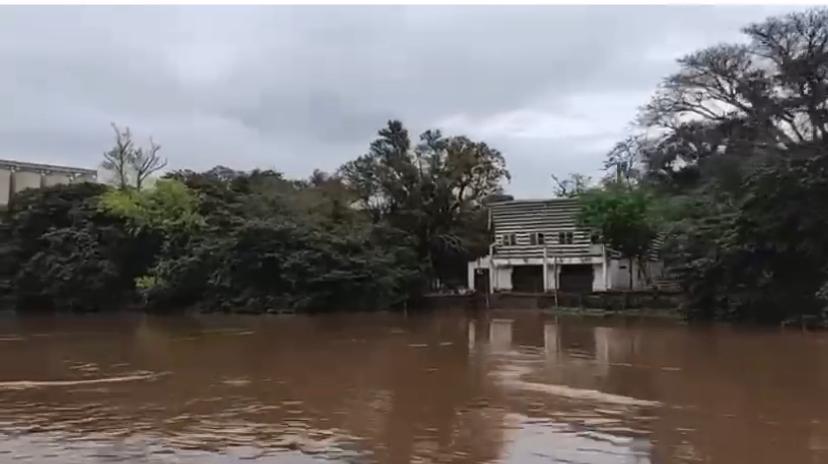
{"x": 613, "y": 301}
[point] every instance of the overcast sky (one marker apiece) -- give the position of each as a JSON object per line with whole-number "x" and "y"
{"x": 294, "y": 88}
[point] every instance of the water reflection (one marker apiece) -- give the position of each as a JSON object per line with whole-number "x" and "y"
{"x": 510, "y": 387}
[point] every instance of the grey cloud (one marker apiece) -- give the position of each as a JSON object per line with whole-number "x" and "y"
{"x": 294, "y": 88}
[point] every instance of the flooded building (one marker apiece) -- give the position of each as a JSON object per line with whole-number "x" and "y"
{"x": 16, "y": 176}
{"x": 539, "y": 247}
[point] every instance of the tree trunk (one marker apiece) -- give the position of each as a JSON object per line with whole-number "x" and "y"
{"x": 631, "y": 272}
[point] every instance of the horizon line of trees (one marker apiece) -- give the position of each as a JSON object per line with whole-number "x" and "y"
{"x": 728, "y": 164}
{"x": 380, "y": 230}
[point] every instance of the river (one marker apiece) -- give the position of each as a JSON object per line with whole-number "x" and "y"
{"x": 448, "y": 387}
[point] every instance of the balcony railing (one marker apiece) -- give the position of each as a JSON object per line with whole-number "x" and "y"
{"x": 552, "y": 250}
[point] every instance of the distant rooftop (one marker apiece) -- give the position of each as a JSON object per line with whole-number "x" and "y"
{"x": 23, "y": 165}
{"x": 533, "y": 200}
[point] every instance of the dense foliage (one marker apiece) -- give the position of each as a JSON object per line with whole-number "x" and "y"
{"x": 623, "y": 216}
{"x": 435, "y": 190}
{"x": 371, "y": 236}
{"x": 739, "y": 159}
{"x": 65, "y": 251}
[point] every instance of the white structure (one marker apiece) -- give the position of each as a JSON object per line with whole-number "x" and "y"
{"x": 16, "y": 176}
{"x": 538, "y": 248}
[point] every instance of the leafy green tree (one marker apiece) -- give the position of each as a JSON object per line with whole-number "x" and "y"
{"x": 170, "y": 207}
{"x": 268, "y": 243}
{"x": 61, "y": 232}
{"x": 434, "y": 190}
{"x": 622, "y": 215}
{"x": 72, "y": 271}
{"x": 764, "y": 258}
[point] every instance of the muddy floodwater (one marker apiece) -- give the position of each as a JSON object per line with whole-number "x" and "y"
{"x": 448, "y": 387}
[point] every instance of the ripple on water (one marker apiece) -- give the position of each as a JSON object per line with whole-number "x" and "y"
{"x": 27, "y": 384}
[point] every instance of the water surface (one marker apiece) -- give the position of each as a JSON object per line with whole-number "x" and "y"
{"x": 448, "y": 387}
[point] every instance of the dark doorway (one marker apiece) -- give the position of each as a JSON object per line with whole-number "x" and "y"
{"x": 527, "y": 278}
{"x": 481, "y": 280}
{"x": 576, "y": 278}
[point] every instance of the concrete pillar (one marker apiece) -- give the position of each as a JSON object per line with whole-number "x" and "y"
{"x": 545, "y": 269}
{"x": 5, "y": 187}
{"x": 556, "y": 274}
{"x": 50, "y": 180}
{"x": 25, "y": 180}
{"x": 605, "y": 265}
{"x": 471, "y": 269}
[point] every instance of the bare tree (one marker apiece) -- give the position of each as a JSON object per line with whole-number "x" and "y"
{"x": 147, "y": 162}
{"x": 131, "y": 166}
{"x": 767, "y": 95}
{"x": 572, "y": 187}
{"x": 118, "y": 160}
{"x": 623, "y": 160}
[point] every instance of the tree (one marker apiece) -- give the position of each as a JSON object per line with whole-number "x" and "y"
{"x": 118, "y": 160}
{"x": 472, "y": 170}
{"x": 735, "y": 140}
{"x": 572, "y": 187}
{"x": 762, "y": 258}
{"x": 169, "y": 207}
{"x": 69, "y": 253}
{"x": 72, "y": 272}
{"x": 270, "y": 243}
{"x": 146, "y": 163}
{"x": 623, "y": 160}
{"x": 622, "y": 216}
{"x": 746, "y": 101}
{"x": 131, "y": 166}
{"x": 434, "y": 190}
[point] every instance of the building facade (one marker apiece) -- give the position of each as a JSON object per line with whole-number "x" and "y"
{"x": 16, "y": 176}
{"x": 538, "y": 247}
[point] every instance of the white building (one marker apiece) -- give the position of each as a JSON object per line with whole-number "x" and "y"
{"x": 16, "y": 176}
{"x": 538, "y": 247}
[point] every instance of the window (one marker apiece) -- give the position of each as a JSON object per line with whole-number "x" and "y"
{"x": 566, "y": 238}
{"x": 508, "y": 239}
{"x": 540, "y": 238}
{"x": 595, "y": 238}
{"x": 536, "y": 238}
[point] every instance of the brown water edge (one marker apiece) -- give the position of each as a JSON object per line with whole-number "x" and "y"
{"x": 449, "y": 386}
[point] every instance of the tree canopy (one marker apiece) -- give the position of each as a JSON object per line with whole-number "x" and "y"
{"x": 378, "y": 232}
{"x": 435, "y": 190}
{"x": 623, "y": 217}
{"x": 733, "y": 144}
